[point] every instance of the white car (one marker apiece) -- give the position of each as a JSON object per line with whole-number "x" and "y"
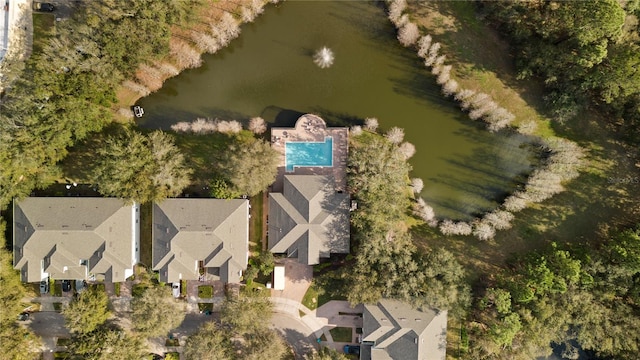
{"x": 175, "y": 288}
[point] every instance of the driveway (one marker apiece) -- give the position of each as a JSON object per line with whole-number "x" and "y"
{"x": 297, "y": 279}
{"x": 48, "y": 324}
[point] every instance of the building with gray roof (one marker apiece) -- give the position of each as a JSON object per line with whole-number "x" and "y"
{"x": 190, "y": 235}
{"x": 75, "y": 238}
{"x": 309, "y": 219}
{"x": 394, "y": 330}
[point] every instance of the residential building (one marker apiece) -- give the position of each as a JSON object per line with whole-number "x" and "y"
{"x": 309, "y": 219}
{"x": 394, "y": 330}
{"x": 78, "y": 238}
{"x": 196, "y": 238}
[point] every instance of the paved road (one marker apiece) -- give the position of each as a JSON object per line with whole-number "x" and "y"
{"x": 48, "y": 324}
{"x": 297, "y": 334}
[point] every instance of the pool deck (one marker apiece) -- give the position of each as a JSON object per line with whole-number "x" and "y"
{"x": 312, "y": 128}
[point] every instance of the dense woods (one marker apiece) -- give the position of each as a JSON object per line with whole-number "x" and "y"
{"x": 586, "y": 52}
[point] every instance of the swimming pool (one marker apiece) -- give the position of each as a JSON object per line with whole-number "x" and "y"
{"x": 308, "y": 153}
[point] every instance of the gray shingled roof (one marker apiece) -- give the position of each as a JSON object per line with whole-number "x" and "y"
{"x": 59, "y": 232}
{"x": 394, "y": 330}
{"x": 214, "y": 231}
{"x": 309, "y": 219}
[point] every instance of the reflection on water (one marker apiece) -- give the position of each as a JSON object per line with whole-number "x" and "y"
{"x": 269, "y": 72}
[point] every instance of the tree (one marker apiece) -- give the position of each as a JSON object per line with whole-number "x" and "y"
{"x": 241, "y": 313}
{"x": 417, "y": 184}
{"x": 143, "y": 169}
{"x": 263, "y": 343}
{"x": 106, "y": 343}
{"x": 18, "y": 342}
{"x": 257, "y": 125}
{"x": 371, "y": 124}
{"x": 87, "y": 312}
{"x": 395, "y": 135}
{"x": 208, "y": 343}
{"x": 407, "y": 149}
{"x": 156, "y": 312}
{"x": 250, "y": 165}
{"x": 326, "y": 353}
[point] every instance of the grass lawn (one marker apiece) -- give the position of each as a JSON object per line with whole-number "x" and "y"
{"x": 57, "y": 306}
{"x": 256, "y": 223}
{"x": 116, "y": 287}
{"x": 341, "y": 334}
{"x": 172, "y": 356}
{"x": 57, "y": 289}
{"x": 43, "y": 29}
{"x": 310, "y": 299}
{"x": 146, "y": 225}
{"x": 205, "y": 291}
{"x": 205, "y": 307}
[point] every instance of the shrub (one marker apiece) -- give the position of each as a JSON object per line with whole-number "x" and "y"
{"x": 356, "y": 130}
{"x": 139, "y": 88}
{"x": 499, "y": 219}
{"x": 444, "y": 75}
{"x": 205, "y": 42}
{"x": 517, "y": 201}
{"x": 527, "y": 127}
{"x": 396, "y": 8}
{"x": 448, "y": 227}
{"x": 423, "y": 46}
{"x": 424, "y": 211}
{"x": 184, "y": 54}
{"x": 450, "y": 87}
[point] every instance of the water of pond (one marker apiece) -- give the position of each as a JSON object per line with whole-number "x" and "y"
{"x": 268, "y": 71}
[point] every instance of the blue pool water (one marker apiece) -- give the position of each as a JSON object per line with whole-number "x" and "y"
{"x": 308, "y": 154}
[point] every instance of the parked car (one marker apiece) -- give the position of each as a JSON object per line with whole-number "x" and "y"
{"x": 352, "y": 349}
{"x": 175, "y": 288}
{"x": 44, "y": 286}
{"x": 24, "y": 316}
{"x": 40, "y": 6}
{"x": 80, "y": 286}
{"x": 138, "y": 111}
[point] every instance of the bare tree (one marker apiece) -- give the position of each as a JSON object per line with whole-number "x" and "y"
{"x": 448, "y": 227}
{"x": 527, "y": 127}
{"x": 444, "y": 75}
{"x": 499, "y": 119}
{"x": 433, "y": 54}
{"x": 499, "y": 219}
{"x": 407, "y": 149}
{"x": 425, "y": 212}
{"x": 464, "y": 96}
{"x": 423, "y": 46}
{"x": 417, "y": 184}
{"x": 356, "y": 130}
{"x": 483, "y": 230}
{"x": 396, "y": 8}
{"x": 226, "y": 29}
{"x": 450, "y": 87}
{"x": 408, "y": 34}
{"x": 257, "y": 125}
{"x": 185, "y": 55}
{"x": 517, "y": 201}
{"x": 168, "y": 69}
{"x": 135, "y": 87}
{"x": 395, "y": 135}
{"x": 181, "y": 127}
{"x": 371, "y": 124}
{"x": 205, "y": 42}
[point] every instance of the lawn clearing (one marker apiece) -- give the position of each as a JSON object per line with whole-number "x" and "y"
{"x": 310, "y": 299}
{"x": 341, "y": 334}
{"x": 146, "y": 241}
{"x": 205, "y": 291}
{"x": 256, "y": 223}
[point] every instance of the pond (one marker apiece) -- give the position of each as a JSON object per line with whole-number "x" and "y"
{"x": 268, "y": 71}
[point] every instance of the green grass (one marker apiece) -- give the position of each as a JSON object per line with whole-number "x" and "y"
{"x": 43, "y": 29}
{"x": 61, "y": 355}
{"x": 63, "y": 342}
{"x": 146, "y": 241}
{"x": 117, "y": 288}
{"x": 256, "y": 223}
{"x": 57, "y": 306}
{"x": 205, "y": 291}
{"x": 341, "y": 334}
{"x": 183, "y": 288}
{"x": 205, "y": 307}
{"x": 310, "y": 299}
{"x": 172, "y": 356}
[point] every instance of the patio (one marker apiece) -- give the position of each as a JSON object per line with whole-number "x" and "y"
{"x": 312, "y": 128}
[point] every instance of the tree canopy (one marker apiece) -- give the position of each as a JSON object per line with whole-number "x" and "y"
{"x": 209, "y": 343}
{"x": 250, "y": 165}
{"x": 132, "y": 166}
{"x": 87, "y": 312}
{"x": 156, "y": 312}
